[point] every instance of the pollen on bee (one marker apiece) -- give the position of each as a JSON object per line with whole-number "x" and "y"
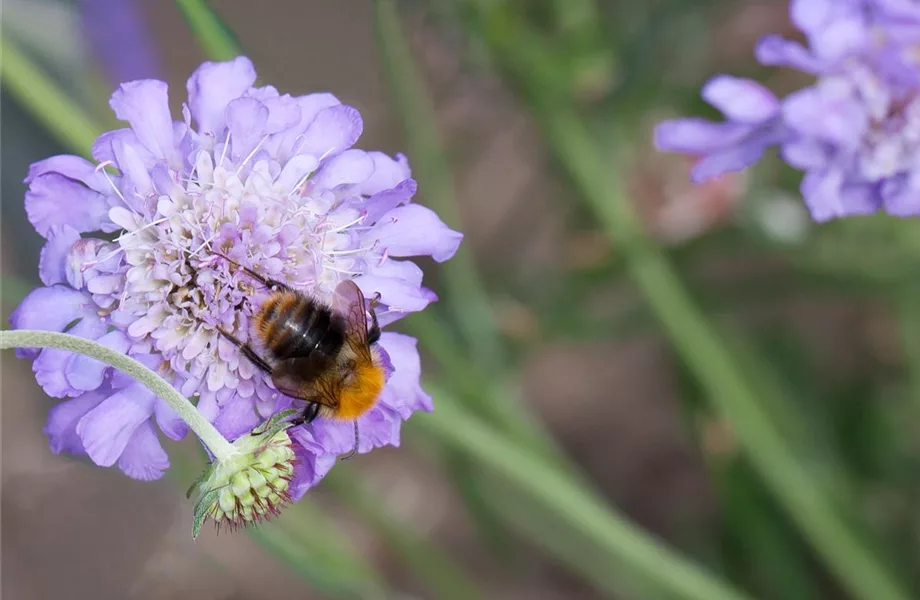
{"x": 359, "y": 397}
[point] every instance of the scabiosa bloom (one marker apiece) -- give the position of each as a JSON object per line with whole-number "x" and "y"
{"x": 268, "y": 180}
{"x": 855, "y": 132}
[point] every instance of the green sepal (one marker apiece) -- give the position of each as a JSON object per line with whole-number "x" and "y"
{"x": 200, "y": 480}
{"x": 202, "y": 506}
{"x": 275, "y": 423}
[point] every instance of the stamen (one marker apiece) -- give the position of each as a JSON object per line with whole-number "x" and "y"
{"x": 347, "y": 225}
{"x": 128, "y": 234}
{"x": 251, "y": 154}
{"x": 326, "y": 153}
{"x": 347, "y": 252}
{"x": 101, "y": 168}
{"x": 302, "y": 181}
{"x": 92, "y": 263}
{"x": 223, "y": 153}
{"x": 303, "y": 283}
{"x": 343, "y": 271}
{"x": 206, "y": 243}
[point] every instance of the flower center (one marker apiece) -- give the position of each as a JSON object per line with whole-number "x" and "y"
{"x": 180, "y": 288}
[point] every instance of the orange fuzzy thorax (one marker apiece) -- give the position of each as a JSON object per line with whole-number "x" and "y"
{"x": 362, "y": 391}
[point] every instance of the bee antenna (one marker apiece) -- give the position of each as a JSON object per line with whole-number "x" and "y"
{"x": 354, "y": 450}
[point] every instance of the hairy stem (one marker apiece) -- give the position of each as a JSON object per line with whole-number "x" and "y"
{"x": 26, "y": 338}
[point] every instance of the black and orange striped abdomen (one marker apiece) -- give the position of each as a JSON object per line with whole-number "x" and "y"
{"x": 292, "y": 325}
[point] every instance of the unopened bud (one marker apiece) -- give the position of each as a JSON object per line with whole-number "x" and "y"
{"x": 249, "y": 486}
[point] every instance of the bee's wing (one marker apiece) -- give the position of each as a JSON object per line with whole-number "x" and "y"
{"x": 349, "y": 302}
{"x": 303, "y": 378}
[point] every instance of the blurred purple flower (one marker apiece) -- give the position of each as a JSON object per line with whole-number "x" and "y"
{"x": 855, "y": 132}
{"x": 119, "y": 39}
{"x": 269, "y": 180}
{"x": 754, "y": 123}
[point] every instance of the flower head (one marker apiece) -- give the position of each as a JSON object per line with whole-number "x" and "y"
{"x": 754, "y": 123}
{"x": 249, "y": 486}
{"x": 855, "y": 132}
{"x": 268, "y": 180}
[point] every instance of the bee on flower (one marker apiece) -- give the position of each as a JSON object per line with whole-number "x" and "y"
{"x": 169, "y": 244}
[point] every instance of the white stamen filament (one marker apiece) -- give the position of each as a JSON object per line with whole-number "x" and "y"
{"x": 223, "y": 153}
{"x": 251, "y": 154}
{"x": 333, "y": 253}
{"x": 343, "y": 271}
{"x": 101, "y": 168}
{"x": 345, "y": 226}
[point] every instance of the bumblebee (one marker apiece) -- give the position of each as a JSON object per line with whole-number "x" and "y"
{"x": 323, "y": 354}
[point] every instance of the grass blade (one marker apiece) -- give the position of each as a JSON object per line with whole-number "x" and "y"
{"x": 216, "y": 39}
{"x": 45, "y": 100}
{"x": 465, "y": 290}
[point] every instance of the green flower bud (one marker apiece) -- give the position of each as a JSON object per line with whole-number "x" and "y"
{"x": 251, "y": 484}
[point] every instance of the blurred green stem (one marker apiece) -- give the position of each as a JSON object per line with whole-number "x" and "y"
{"x": 580, "y": 509}
{"x": 465, "y": 289}
{"x": 38, "y": 95}
{"x": 443, "y": 577}
{"x": 214, "y": 37}
{"x": 909, "y": 311}
{"x": 13, "y": 289}
{"x": 469, "y": 370}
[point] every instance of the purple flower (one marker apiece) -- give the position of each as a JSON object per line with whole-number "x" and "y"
{"x": 271, "y": 181}
{"x": 119, "y": 38}
{"x": 754, "y": 123}
{"x": 855, "y": 132}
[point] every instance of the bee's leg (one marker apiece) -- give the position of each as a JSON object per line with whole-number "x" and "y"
{"x": 354, "y": 450}
{"x": 373, "y": 334}
{"x": 310, "y": 412}
{"x": 248, "y": 352}
{"x": 269, "y": 283}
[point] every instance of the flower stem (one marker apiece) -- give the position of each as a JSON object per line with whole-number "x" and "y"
{"x": 25, "y": 338}
{"x": 214, "y": 37}
{"x": 38, "y": 95}
{"x": 471, "y": 305}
